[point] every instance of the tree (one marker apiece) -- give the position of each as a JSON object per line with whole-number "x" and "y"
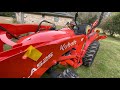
{"x": 88, "y": 17}
{"x": 112, "y": 24}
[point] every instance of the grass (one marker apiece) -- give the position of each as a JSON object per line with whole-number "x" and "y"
{"x": 59, "y": 27}
{"x": 7, "y": 47}
{"x": 106, "y": 63}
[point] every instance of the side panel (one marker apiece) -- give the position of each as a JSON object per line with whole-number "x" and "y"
{"x": 54, "y": 51}
{"x": 16, "y": 67}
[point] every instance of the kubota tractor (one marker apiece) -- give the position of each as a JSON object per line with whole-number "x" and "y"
{"x": 44, "y": 47}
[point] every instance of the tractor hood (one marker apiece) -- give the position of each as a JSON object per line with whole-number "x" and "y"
{"x": 46, "y": 36}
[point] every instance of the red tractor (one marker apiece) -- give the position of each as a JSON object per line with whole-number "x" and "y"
{"x": 45, "y": 47}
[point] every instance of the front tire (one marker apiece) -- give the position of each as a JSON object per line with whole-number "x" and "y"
{"x": 67, "y": 73}
{"x": 91, "y": 53}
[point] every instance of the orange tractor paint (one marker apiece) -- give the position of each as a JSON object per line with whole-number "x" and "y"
{"x": 61, "y": 46}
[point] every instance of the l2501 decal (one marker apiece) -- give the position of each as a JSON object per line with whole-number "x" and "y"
{"x": 45, "y": 59}
{"x": 49, "y": 56}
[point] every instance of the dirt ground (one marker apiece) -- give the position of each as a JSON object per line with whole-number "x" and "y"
{"x": 6, "y": 19}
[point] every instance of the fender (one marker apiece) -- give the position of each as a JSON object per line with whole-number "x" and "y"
{"x": 89, "y": 39}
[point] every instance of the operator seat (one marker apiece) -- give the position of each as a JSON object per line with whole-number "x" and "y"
{"x": 81, "y": 29}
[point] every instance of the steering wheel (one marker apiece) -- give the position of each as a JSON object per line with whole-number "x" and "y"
{"x": 53, "y": 27}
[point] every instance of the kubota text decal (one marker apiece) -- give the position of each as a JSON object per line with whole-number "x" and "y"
{"x": 69, "y": 44}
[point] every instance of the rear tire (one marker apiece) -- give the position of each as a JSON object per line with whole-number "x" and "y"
{"x": 91, "y": 53}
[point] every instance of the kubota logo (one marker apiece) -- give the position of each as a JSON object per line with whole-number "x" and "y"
{"x": 65, "y": 46}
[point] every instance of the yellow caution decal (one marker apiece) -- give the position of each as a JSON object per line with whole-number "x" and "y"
{"x": 32, "y": 53}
